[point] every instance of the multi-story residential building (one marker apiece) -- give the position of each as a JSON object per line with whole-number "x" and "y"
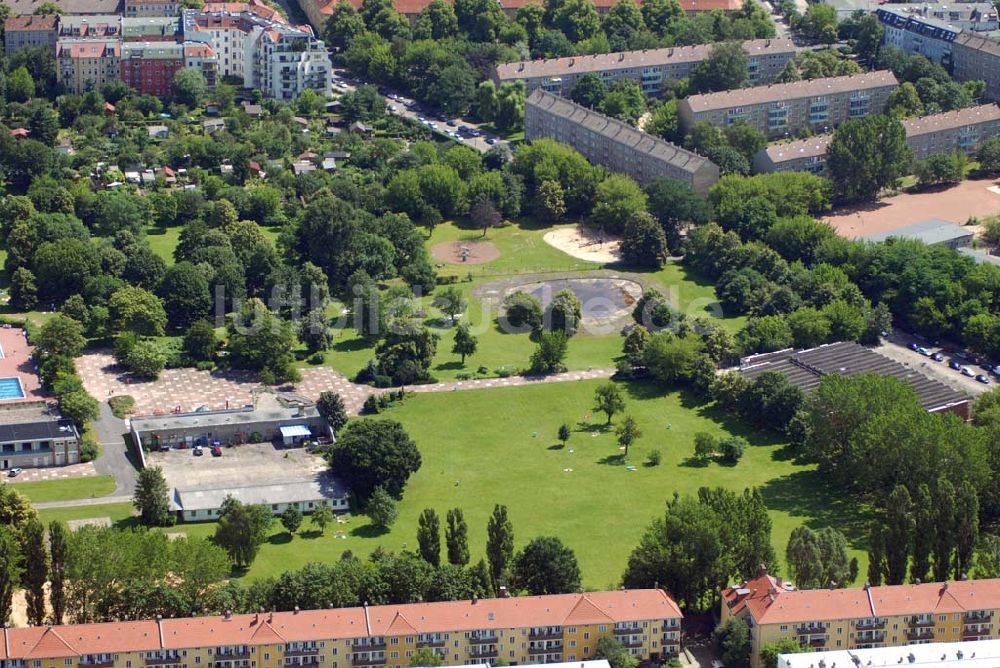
{"x": 82, "y": 65}
{"x": 881, "y": 616}
{"x": 77, "y": 26}
{"x": 149, "y": 67}
{"x": 977, "y": 57}
{"x": 782, "y": 110}
{"x": 614, "y": 144}
{"x": 24, "y": 7}
{"x": 26, "y": 31}
{"x": 137, "y": 8}
{"x": 151, "y": 29}
{"x": 918, "y": 35}
{"x": 959, "y": 130}
{"x": 652, "y": 68}
{"x": 531, "y": 629}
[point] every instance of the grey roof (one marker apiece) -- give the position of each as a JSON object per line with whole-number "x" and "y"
{"x": 947, "y": 120}
{"x": 324, "y": 486}
{"x": 617, "y": 131}
{"x": 918, "y": 23}
{"x": 68, "y": 6}
{"x": 791, "y": 91}
{"x": 979, "y": 43}
{"x": 932, "y": 231}
{"x": 37, "y": 429}
{"x": 809, "y": 147}
{"x": 980, "y": 256}
{"x": 806, "y": 368}
{"x": 529, "y": 69}
{"x": 219, "y": 418}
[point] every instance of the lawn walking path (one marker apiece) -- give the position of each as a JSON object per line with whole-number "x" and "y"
{"x": 188, "y": 389}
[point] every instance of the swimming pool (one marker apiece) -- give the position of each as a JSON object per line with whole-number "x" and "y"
{"x": 10, "y": 388}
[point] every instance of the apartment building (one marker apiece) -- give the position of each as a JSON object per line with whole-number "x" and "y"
{"x": 82, "y": 65}
{"x": 918, "y": 34}
{"x": 531, "y": 629}
{"x": 959, "y": 130}
{"x": 290, "y": 60}
{"x": 977, "y": 57}
{"x": 151, "y": 29}
{"x": 614, "y": 144}
{"x": 859, "y": 618}
{"x": 149, "y": 67}
{"x": 28, "y": 31}
{"x": 138, "y": 8}
{"x": 782, "y": 110}
{"x": 81, "y": 26}
{"x": 651, "y": 68}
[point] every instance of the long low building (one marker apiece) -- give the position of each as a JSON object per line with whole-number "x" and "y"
{"x": 34, "y": 437}
{"x": 805, "y": 369}
{"x": 616, "y": 145}
{"x": 766, "y": 59}
{"x": 782, "y": 110}
{"x": 201, "y": 504}
{"x": 959, "y": 130}
{"x": 519, "y": 630}
{"x": 860, "y": 618}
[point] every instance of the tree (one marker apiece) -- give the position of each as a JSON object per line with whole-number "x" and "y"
{"x": 57, "y": 569}
{"x": 609, "y": 648}
{"x": 450, "y": 302}
{"x": 133, "y": 309}
{"x": 643, "y": 242}
{"x": 43, "y": 123}
{"x": 899, "y": 534}
{"x": 769, "y": 653}
{"x": 725, "y": 68}
{"x": 429, "y": 536}
{"x": 732, "y": 642}
{"x": 200, "y": 342}
{"x": 522, "y": 311}
{"x": 563, "y": 313}
{"x": 331, "y": 408}
{"x": 549, "y": 355}
{"x": 618, "y": 199}
{"x": 988, "y": 155}
{"x": 186, "y": 295}
{"x": 20, "y": 85}
{"x": 804, "y": 559}
{"x": 456, "y": 538}
{"x": 241, "y": 530}
{"x": 941, "y": 168}
{"x": 550, "y": 200}
{"x": 624, "y": 101}
{"x": 36, "y": 570}
{"x": 876, "y": 556}
{"x": 672, "y": 359}
{"x": 291, "y": 519}
{"x": 564, "y": 434}
{"x": 465, "y": 342}
{"x": 705, "y": 446}
{"x": 261, "y": 341}
{"x": 608, "y": 399}
{"x": 866, "y": 155}
{"x": 819, "y": 23}
{"x": 145, "y": 359}
{"x": 904, "y": 101}
{"x": 945, "y": 529}
{"x": 499, "y": 545}
{"x": 363, "y": 104}
{"x": 315, "y": 332}
{"x": 628, "y": 432}
{"x": 381, "y": 508}
{"x": 425, "y": 657}
{"x": 372, "y": 454}
{"x": 589, "y": 91}
{"x": 322, "y": 517}
{"x": 24, "y": 289}
{"x": 10, "y": 571}
{"x": 675, "y": 204}
{"x": 61, "y": 336}
{"x": 546, "y": 566}
{"x": 731, "y": 449}
{"x": 914, "y": 522}
{"x": 152, "y": 498}
{"x": 188, "y": 86}
{"x": 966, "y": 528}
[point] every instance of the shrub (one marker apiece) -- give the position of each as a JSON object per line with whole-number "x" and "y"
{"x": 88, "y": 450}
{"x": 121, "y": 405}
{"x": 316, "y": 358}
{"x": 654, "y": 458}
{"x": 204, "y": 365}
{"x": 732, "y": 449}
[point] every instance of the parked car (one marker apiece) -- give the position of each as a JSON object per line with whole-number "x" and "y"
{"x": 198, "y": 451}
{"x": 216, "y": 451}
{"x": 491, "y": 141}
{"x": 164, "y": 448}
{"x": 914, "y": 347}
{"x": 937, "y": 357}
{"x": 983, "y": 378}
{"x": 966, "y": 371}
{"x": 953, "y": 364}
{"x": 14, "y": 472}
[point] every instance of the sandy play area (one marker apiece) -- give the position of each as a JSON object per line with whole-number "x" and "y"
{"x": 584, "y": 244}
{"x": 465, "y": 252}
{"x": 955, "y": 204}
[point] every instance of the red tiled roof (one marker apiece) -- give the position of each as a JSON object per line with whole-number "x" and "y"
{"x": 30, "y": 22}
{"x": 19, "y": 133}
{"x": 89, "y": 49}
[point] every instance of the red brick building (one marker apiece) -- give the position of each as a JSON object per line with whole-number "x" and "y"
{"x": 149, "y": 67}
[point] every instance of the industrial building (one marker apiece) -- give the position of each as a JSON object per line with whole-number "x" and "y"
{"x": 614, "y": 144}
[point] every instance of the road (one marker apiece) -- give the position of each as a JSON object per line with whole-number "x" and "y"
{"x": 344, "y": 82}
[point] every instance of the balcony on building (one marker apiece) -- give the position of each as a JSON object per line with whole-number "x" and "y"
{"x": 293, "y": 650}
{"x": 429, "y": 641}
{"x": 545, "y": 633}
{"x": 374, "y": 644}
{"x": 367, "y": 659}
{"x": 920, "y": 633}
{"x": 483, "y": 652}
{"x": 921, "y": 622}
{"x": 870, "y": 624}
{"x": 96, "y": 661}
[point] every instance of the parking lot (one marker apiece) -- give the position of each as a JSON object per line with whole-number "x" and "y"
{"x": 897, "y": 346}
{"x": 241, "y": 465}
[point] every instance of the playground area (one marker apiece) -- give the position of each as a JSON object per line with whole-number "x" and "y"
{"x": 584, "y": 243}
{"x": 465, "y": 252}
{"x": 978, "y": 198}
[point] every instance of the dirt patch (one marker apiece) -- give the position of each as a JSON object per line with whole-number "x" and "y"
{"x": 465, "y": 252}
{"x": 584, "y": 244}
{"x": 956, "y": 204}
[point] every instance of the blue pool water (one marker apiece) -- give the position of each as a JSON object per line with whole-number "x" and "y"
{"x": 10, "y": 388}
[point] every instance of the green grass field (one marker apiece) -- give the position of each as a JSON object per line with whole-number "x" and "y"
{"x": 87, "y": 487}
{"x": 498, "y": 446}
{"x": 163, "y": 240}
{"x": 120, "y": 513}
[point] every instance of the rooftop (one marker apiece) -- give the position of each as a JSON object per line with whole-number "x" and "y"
{"x": 810, "y": 147}
{"x": 272, "y": 412}
{"x": 932, "y": 231}
{"x": 770, "y": 605}
{"x": 528, "y": 69}
{"x": 806, "y": 368}
{"x": 979, "y": 43}
{"x": 359, "y": 622}
{"x": 791, "y": 91}
{"x": 972, "y": 654}
{"x": 952, "y": 119}
{"x": 322, "y": 487}
{"x": 30, "y": 23}
{"x": 68, "y": 6}
{"x": 617, "y": 131}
